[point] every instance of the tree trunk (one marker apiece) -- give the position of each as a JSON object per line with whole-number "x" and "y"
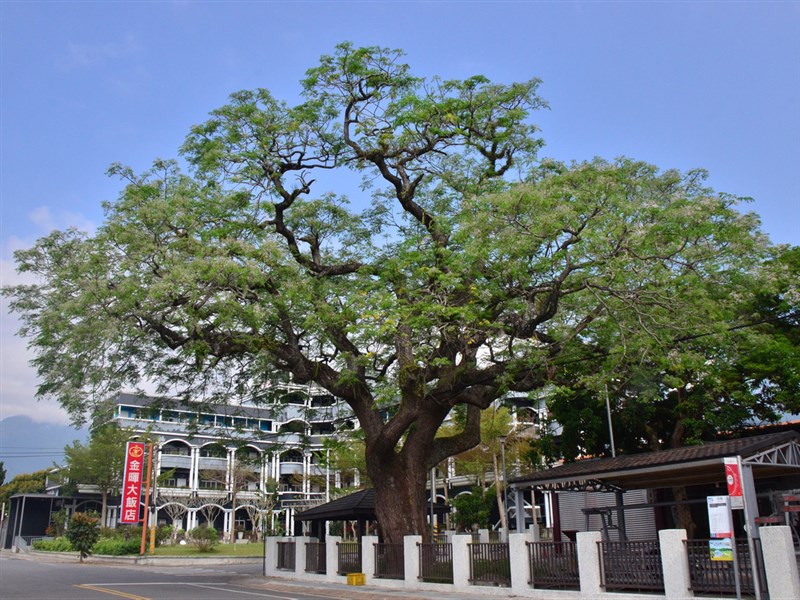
{"x": 685, "y": 520}
{"x": 499, "y": 494}
{"x": 684, "y": 513}
{"x": 104, "y": 508}
{"x": 400, "y": 500}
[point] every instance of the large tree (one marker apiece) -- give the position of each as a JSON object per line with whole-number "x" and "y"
{"x": 710, "y": 382}
{"x": 468, "y": 270}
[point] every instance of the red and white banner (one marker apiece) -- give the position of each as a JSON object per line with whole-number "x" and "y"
{"x": 132, "y": 482}
{"x": 733, "y": 477}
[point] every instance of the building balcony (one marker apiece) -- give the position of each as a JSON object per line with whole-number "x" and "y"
{"x": 291, "y": 468}
{"x": 170, "y": 461}
{"x": 215, "y": 464}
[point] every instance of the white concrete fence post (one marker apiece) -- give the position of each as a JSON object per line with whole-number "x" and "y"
{"x": 368, "y": 556}
{"x": 461, "y": 561}
{"x": 675, "y": 564}
{"x": 780, "y": 562}
{"x": 518, "y": 555}
{"x": 589, "y": 563}
{"x": 411, "y": 559}
{"x": 300, "y": 554}
{"x": 271, "y": 556}
{"x": 332, "y": 558}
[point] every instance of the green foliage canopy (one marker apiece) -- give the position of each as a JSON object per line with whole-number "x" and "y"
{"x": 24, "y": 483}
{"x": 472, "y": 270}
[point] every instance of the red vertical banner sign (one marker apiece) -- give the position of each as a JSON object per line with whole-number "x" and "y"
{"x": 733, "y": 477}
{"x": 132, "y": 482}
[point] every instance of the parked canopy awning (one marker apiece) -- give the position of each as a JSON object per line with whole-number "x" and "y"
{"x": 770, "y": 455}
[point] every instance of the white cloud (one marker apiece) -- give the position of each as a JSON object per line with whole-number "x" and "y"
{"x": 82, "y": 56}
{"x": 18, "y": 380}
{"x": 44, "y": 218}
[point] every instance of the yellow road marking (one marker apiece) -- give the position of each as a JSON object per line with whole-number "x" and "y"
{"x": 102, "y": 590}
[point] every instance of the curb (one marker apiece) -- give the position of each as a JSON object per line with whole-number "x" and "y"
{"x": 164, "y": 561}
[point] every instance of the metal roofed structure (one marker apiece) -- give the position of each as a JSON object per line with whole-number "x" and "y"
{"x": 763, "y": 457}
{"x": 772, "y": 453}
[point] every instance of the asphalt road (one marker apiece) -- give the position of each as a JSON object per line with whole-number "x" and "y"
{"x": 36, "y": 577}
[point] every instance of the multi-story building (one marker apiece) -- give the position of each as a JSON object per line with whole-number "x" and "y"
{"x": 227, "y": 465}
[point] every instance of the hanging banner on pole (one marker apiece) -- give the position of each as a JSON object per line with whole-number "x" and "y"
{"x": 721, "y": 550}
{"x": 720, "y": 523}
{"x": 132, "y": 482}
{"x": 720, "y": 526}
{"x": 733, "y": 477}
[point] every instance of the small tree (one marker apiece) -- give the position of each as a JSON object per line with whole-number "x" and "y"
{"x": 472, "y": 509}
{"x": 175, "y": 508}
{"x": 100, "y": 462}
{"x": 83, "y": 532}
{"x": 204, "y": 538}
{"x": 261, "y": 507}
{"x": 58, "y": 523}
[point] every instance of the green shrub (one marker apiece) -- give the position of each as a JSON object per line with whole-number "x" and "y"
{"x": 204, "y": 538}
{"x": 116, "y": 547}
{"x": 83, "y": 532}
{"x": 59, "y": 544}
{"x": 163, "y": 534}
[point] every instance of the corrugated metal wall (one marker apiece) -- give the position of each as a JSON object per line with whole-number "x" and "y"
{"x": 640, "y": 522}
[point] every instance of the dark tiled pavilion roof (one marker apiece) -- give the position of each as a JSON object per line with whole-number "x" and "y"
{"x": 358, "y": 505}
{"x": 687, "y": 465}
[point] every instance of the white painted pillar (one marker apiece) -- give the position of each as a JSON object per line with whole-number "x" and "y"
{"x": 306, "y": 475}
{"x": 271, "y": 556}
{"x": 229, "y": 466}
{"x": 483, "y": 536}
{"x": 411, "y": 559}
{"x": 368, "y": 556}
{"x": 519, "y": 504}
{"x": 193, "y": 463}
{"x": 518, "y": 553}
{"x": 780, "y": 563}
{"x": 589, "y": 563}
{"x": 157, "y": 466}
{"x": 300, "y": 554}
{"x": 461, "y": 562}
{"x": 332, "y": 558}
{"x": 535, "y": 533}
{"x": 675, "y": 563}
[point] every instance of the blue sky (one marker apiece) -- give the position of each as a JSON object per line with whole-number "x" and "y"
{"x": 678, "y": 84}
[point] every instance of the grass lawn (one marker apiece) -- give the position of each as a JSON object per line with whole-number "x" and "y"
{"x": 252, "y": 549}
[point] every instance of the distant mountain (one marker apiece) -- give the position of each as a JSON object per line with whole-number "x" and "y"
{"x": 27, "y": 446}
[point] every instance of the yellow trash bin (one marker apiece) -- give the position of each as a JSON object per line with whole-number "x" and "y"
{"x": 356, "y": 579}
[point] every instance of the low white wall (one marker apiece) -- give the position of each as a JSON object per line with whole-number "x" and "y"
{"x": 779, "y": 559}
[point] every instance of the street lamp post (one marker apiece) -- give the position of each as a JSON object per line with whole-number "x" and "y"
{"x": 503, "y": 439}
